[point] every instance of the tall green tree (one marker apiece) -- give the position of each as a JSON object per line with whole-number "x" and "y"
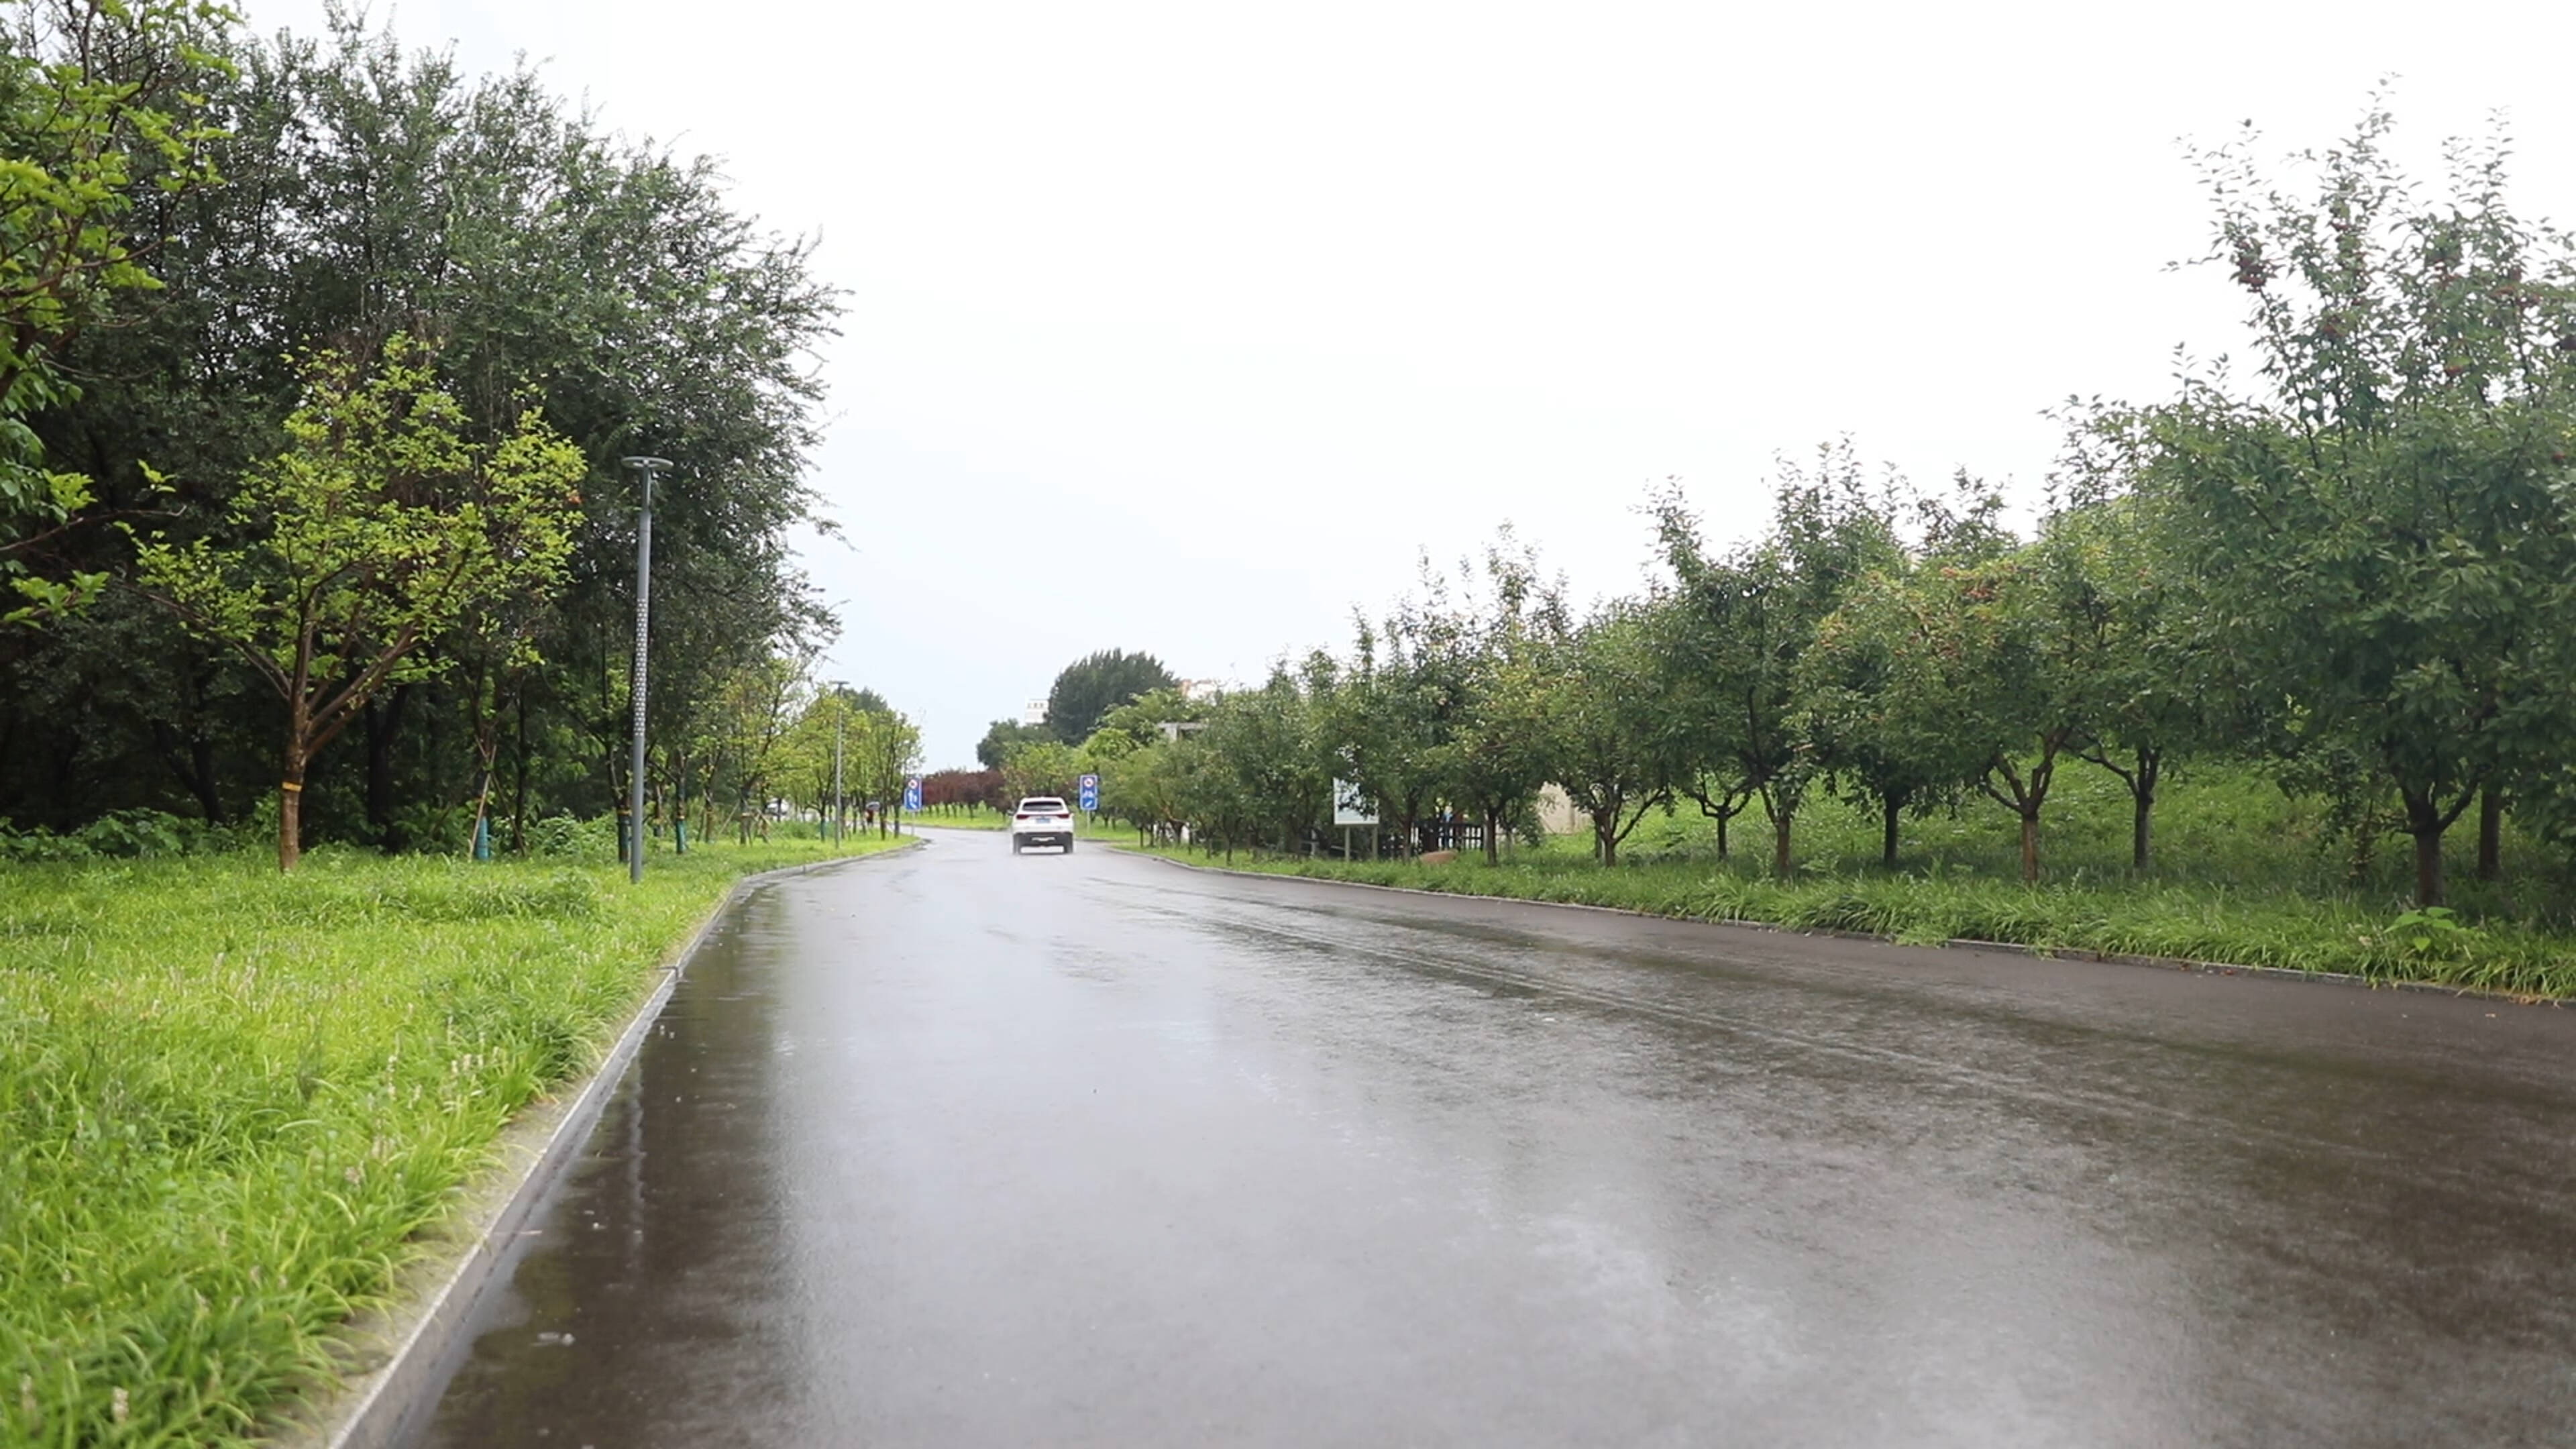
{"x": 2380, "y": 528}
{"x": 371, "y": 191}
{"x": 99, "y": 99}
{"x": 380, "y": 529}
{"x": 1498, "y": 756}
{"x": 1086, "y": 690}
{"x": 1004, "y": 736}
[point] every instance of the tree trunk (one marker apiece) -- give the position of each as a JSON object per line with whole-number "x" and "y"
{"x": 2426, "y": 823}
{"x": 679, "y": 802}
{"x": 1780, "y": 826}
{"x": 1605, "y": 837}
{"x": 2142, "y": 821}
{"x": 519, "y": 790}
{"x": 1493, "y": 837}
{"x": 1889, "y": 807}
{"x": 2428, "y": 867}
{"x": 290, "y": 805}
{"x": 2490, "y": 834}
{"x": 2030, "y": 849}
{"x": 1721, "y": 837}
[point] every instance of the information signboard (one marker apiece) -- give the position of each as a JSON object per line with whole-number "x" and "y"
{"x": 1350, "y": 807}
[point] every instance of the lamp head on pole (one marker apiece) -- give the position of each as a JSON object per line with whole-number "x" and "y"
{"x": 648, "y": 467}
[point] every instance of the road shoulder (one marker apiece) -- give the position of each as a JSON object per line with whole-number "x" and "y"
{"x": 2009, "y": 948}
{"x": 394, "y": 1358}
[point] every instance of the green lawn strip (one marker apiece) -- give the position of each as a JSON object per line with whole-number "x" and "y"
{"x": 230, "y": 1100}
{"x": 2193, "y": 921}
{"x": 1085, "y": 827}
{"x": 940, "y": 819}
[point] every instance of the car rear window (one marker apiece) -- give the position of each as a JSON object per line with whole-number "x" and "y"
{"x": 1049, "y": 803}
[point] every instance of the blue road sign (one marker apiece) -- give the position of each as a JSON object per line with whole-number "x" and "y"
{"x": 1089, "y": 786}
{"x": 912, "y": 795}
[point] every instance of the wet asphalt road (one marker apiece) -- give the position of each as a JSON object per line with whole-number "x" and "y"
{"x": 962, "y": 1149}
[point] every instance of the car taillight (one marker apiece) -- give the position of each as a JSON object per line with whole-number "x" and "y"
{"x": 1021, "y": 817}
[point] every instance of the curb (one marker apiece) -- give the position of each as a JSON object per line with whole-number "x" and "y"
{"x": 375, "y": 1410}
{"x": 2066, "y": 953}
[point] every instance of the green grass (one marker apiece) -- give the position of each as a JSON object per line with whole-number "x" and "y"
{"x": 230, "y": 1100}
{"x": 2246, "y": 876}
{"x": 961, "y": 818}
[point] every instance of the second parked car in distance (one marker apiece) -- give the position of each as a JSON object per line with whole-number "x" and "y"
{"x": 1042, "y": 820}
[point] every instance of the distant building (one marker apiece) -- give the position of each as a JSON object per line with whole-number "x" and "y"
{"x": 1033, "y": 713}
{"x": 1195, "y": 690}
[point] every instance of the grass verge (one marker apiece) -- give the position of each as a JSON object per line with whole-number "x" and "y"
{"x": 1085, "y": 827}
{"x": 229, "y": 1100}
{"x": 2191, "y": 920}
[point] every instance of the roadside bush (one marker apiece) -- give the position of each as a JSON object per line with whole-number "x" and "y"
{"x": 566, "y": 836}
{"x": 120, "y": 835}
{"x": 426, "y": 828}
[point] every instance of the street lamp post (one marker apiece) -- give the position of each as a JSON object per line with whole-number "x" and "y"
{"x": 646, "y": 468}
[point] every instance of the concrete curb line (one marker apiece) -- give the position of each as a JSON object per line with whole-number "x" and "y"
{"x": 376, "y": 1409}
{"x": 2067, "y": 953}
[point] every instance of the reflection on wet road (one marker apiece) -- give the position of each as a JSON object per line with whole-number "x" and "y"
{"x": 959, "y": 1148}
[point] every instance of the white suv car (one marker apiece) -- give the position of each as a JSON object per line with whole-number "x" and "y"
{"x": 1042, "y": 820}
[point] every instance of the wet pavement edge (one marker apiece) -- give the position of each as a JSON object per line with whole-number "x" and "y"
{"x": 436, "y": 1300}
{"x": 1961, "y": 943}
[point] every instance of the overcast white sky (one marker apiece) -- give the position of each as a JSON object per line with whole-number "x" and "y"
{"x": 1233, "y": 309}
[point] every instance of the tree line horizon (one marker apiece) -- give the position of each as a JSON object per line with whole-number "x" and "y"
{"x": 2353, "y": 570}
{"x": 319, "y": 357}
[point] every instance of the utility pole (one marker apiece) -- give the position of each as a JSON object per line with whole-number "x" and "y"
{"x": 645, "y": 468}
{"x": 838, "y": 809}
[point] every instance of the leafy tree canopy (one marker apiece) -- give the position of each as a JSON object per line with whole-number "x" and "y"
{"x": 1090, "y": 687}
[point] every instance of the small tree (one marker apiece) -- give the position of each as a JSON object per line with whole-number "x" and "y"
{"x": 1497, "y": 757}
{"x": 1142, "y": 719}
{"x": 889, "y": 751}
{"x": 1040, "y": 767}
{"x": 1612, "y": 753}
{"x": 1733, "y": 629}
{"x": 2150, "y": 691}
{"x": 379, "y": 528}
{"x": 1389, "y": 715}
{"x": 2016, "y": 671}
{"x": 1004, "y": 736}
{"x": 1881, "y": 724}
{"x": 1272, "y": 774}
